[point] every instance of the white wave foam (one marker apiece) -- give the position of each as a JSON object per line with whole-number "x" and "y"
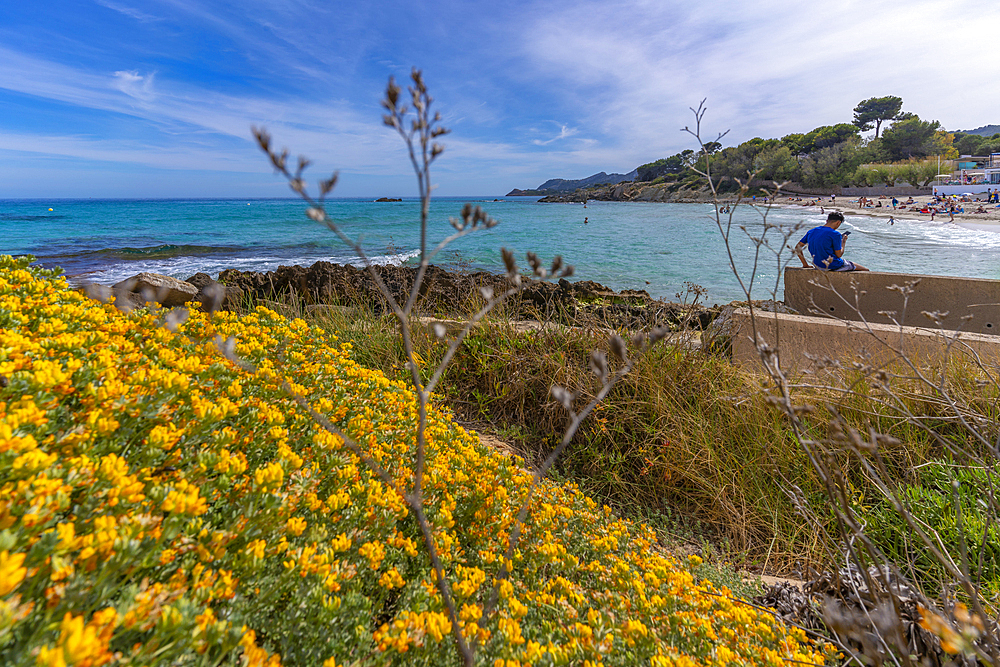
{"x": 385, "y": 260}
{"x": 185, "y": 267}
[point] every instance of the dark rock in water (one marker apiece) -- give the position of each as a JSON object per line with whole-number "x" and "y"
{"x": 387, "y": 199}
{"x": 155, "y": 287}
{"x": 445, "y": 293}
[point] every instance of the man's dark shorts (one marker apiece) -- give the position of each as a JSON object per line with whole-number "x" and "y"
{"x": 848, "y": 266}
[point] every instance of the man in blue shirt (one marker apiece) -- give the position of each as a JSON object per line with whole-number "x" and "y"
{"x": 826, "y": 245}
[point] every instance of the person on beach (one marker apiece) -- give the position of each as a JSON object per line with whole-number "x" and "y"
{"x": 891, "y": 220}
{"x": 826, "y": 245}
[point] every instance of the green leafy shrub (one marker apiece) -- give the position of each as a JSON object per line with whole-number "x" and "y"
{"x": 953, "y": 502}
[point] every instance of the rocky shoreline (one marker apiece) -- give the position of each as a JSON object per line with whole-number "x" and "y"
{"x": 456, "y": 294}
{"x": 444, "y": 294}
{"x": 640, "y": 192}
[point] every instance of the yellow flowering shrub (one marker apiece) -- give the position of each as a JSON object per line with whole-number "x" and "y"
{"x": 162, "y": 505}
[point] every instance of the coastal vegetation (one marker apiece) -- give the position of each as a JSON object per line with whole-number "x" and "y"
{"x": 825, "y": 157}
{"x": 916, "y": 172}
{"x": 690, "y": 443}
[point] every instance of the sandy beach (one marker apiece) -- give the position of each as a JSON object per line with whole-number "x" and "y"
{"x": 850, "y": 206}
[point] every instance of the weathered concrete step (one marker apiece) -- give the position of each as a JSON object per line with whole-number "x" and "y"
{"x": 972, "y": 304}
{"x": 805, "y": 343}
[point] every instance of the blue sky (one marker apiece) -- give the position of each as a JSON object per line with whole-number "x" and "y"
{"x": 155, "y": 98}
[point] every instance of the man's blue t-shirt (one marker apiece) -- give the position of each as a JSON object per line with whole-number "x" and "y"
{"x": 824, "y": 243}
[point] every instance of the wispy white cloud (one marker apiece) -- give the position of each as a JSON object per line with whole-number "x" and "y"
{"x": 199, "y": 127}
{"x": 135, "y": 85}
{"x": 131, "y": 12}
{"x": 564, "y": 132}
{"x": 182, "y": 156}
{"x": 181, "y": 108}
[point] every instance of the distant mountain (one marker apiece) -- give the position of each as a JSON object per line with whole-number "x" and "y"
{"x": 984, "y": 131}
{"x": 562, "y": 185}
{"x": 559, "y": 185}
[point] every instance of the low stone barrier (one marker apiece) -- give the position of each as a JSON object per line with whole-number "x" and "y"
{"x": 805, "y": 343}
{"x": 877, "y": 191}
{"x": 972, "y": 304}
{"x": 892, "y": 191}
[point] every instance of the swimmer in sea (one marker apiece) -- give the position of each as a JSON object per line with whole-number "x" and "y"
{"x": 585, "y": 220}
{"x": 891, "y": 221}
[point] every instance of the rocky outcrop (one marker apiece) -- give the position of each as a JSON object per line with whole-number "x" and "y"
{"x": 157, "y": 288}
{"x": 145, "y": 288}
{"x": 445, "y": 293}
{"x": 644, "y": 192}
{"x": 214, "y": 296}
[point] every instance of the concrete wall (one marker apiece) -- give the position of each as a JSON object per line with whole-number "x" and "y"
{"x": 807, "y": 343}
{"x": 865, "y": 295}
{"x": 975, "y": 189}
{"x": 799, "y": 189}
{"x": 876, "y": 191}
{"x": 898, "y": 190}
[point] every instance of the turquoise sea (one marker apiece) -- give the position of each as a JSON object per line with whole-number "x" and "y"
{"x": 655, "y": 247}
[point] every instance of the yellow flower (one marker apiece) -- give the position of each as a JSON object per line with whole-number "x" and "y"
{"x": 391, "y": 579}
{"x": 11, "y": 571}
{"x": 296, "y": 525}
{"x": 185, "y": 499}
{"x": 374, "y": 552}
{"x": 470, "y": 612}
{"x": 269, "y": 477}
{"x": 80, "y": 643}
{"x": 256, "y": 548}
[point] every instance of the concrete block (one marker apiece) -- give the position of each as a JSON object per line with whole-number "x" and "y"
{"x": 805, "y": 343}
{"x": 868, "y": 295}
